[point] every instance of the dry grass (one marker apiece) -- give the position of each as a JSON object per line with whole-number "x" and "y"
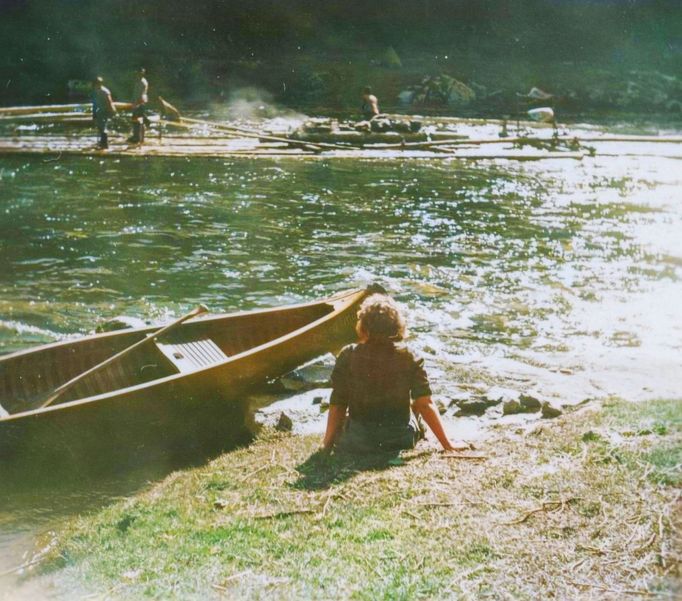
{"x": 584, "y": 507}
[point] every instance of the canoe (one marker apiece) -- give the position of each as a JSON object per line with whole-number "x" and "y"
{"x": 178, "y": 388}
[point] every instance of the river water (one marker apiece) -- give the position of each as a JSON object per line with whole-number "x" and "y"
{"x": 563, "y": 278}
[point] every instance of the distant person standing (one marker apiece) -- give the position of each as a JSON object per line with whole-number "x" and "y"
{"x": 102, "y": 110}
{"x": 370, "y": 104}
{"x": 139, "y": 114}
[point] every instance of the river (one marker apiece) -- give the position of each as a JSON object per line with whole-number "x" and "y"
{"x": 562, "y": 278}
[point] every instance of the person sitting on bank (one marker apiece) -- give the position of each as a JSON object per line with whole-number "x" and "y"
{"x": 102, "y": 110}
{"x": 139, "y": 114}
{"x": 379, "y": 389}
{"x": 370, "y": 104}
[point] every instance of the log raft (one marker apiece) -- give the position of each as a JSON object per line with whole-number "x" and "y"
{"x": 187, "y": 137}
{"x": 226, "y": 144}
{"x": 187, "y": 146}
{"x": 223, "y": 146}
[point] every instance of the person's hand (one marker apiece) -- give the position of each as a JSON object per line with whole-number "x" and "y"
{"x": 457, "y": 447}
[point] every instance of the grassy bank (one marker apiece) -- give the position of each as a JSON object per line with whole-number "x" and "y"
{"x": 582, "y": 507}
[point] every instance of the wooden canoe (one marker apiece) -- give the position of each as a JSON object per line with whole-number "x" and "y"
{"x": 176, "y": 387}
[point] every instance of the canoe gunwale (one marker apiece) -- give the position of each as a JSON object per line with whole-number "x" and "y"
{"x": 151, "y": 329}
{"x": 339, "y": 303}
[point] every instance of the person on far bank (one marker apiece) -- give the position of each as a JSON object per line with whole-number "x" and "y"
{"x": 103, "y": 109}
{"x": 139, "y": 111}
{"x": 380, "y": 389}
{"x": 370, "y": 104}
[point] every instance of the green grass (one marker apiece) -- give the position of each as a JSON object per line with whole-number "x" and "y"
{"x": 657, "y": 416}
{"x": 649, "y": 421}
{"x": 581, "y": 506}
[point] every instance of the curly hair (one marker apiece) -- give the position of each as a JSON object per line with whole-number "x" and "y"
{"x": 379, "y": 318}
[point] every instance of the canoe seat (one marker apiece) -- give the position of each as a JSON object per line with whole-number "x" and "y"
{"x": 192, "y": 355}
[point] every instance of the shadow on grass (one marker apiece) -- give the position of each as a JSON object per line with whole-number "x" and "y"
{"x": 320, "y": 470}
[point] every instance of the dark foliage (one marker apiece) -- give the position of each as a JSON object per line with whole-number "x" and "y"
{"x": 199, "y": 49}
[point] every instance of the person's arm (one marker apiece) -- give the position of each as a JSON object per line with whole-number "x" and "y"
{"x": 110, "y": 102}
{"x": 335, "y": 419}
{"x": 338, "y": 402}
{"x": 424, "y": 406}
{"x": 420, "y": 390}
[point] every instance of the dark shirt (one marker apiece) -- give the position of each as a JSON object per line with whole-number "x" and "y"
{"x": 377, "y": 382}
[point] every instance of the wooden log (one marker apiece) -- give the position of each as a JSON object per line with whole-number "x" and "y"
{"x": 530, "y": 140}
{"x": 195, "y": 136}
{"x": 57, "y": 108}
{"x": 358, "y": 138}
{"x": 639, "y": 154}
{"x": 451, "y": 142}
{"x": 578, "y": 156}
{"x": 74, "y": 124}
{"x": 169, "y": 112}
{"x": 45, "y": 116}
{"x": 468, "y": 120}
{"x": 189, "y": 141}
{"x": 520, "y": 140}
{"x": 78, "y": 121}
{"x": 633, "y": 138}
{"x": 251, "y": 134}
{"x": 191, "y": 126}
{"x": 48, "y": 108}
{"x": 167, "y": 123}
{"x": 447, "y": 135}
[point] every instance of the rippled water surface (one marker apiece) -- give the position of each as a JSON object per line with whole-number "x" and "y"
{"x": 555, "y": 263}
{"x": 561, "y": 277}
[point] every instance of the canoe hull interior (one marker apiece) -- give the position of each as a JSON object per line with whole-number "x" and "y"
{"x": 177, "y": 409}
{"x": 27, "y": 378}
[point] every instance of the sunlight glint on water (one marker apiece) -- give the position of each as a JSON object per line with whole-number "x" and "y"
{"x": 550, "y": 261}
